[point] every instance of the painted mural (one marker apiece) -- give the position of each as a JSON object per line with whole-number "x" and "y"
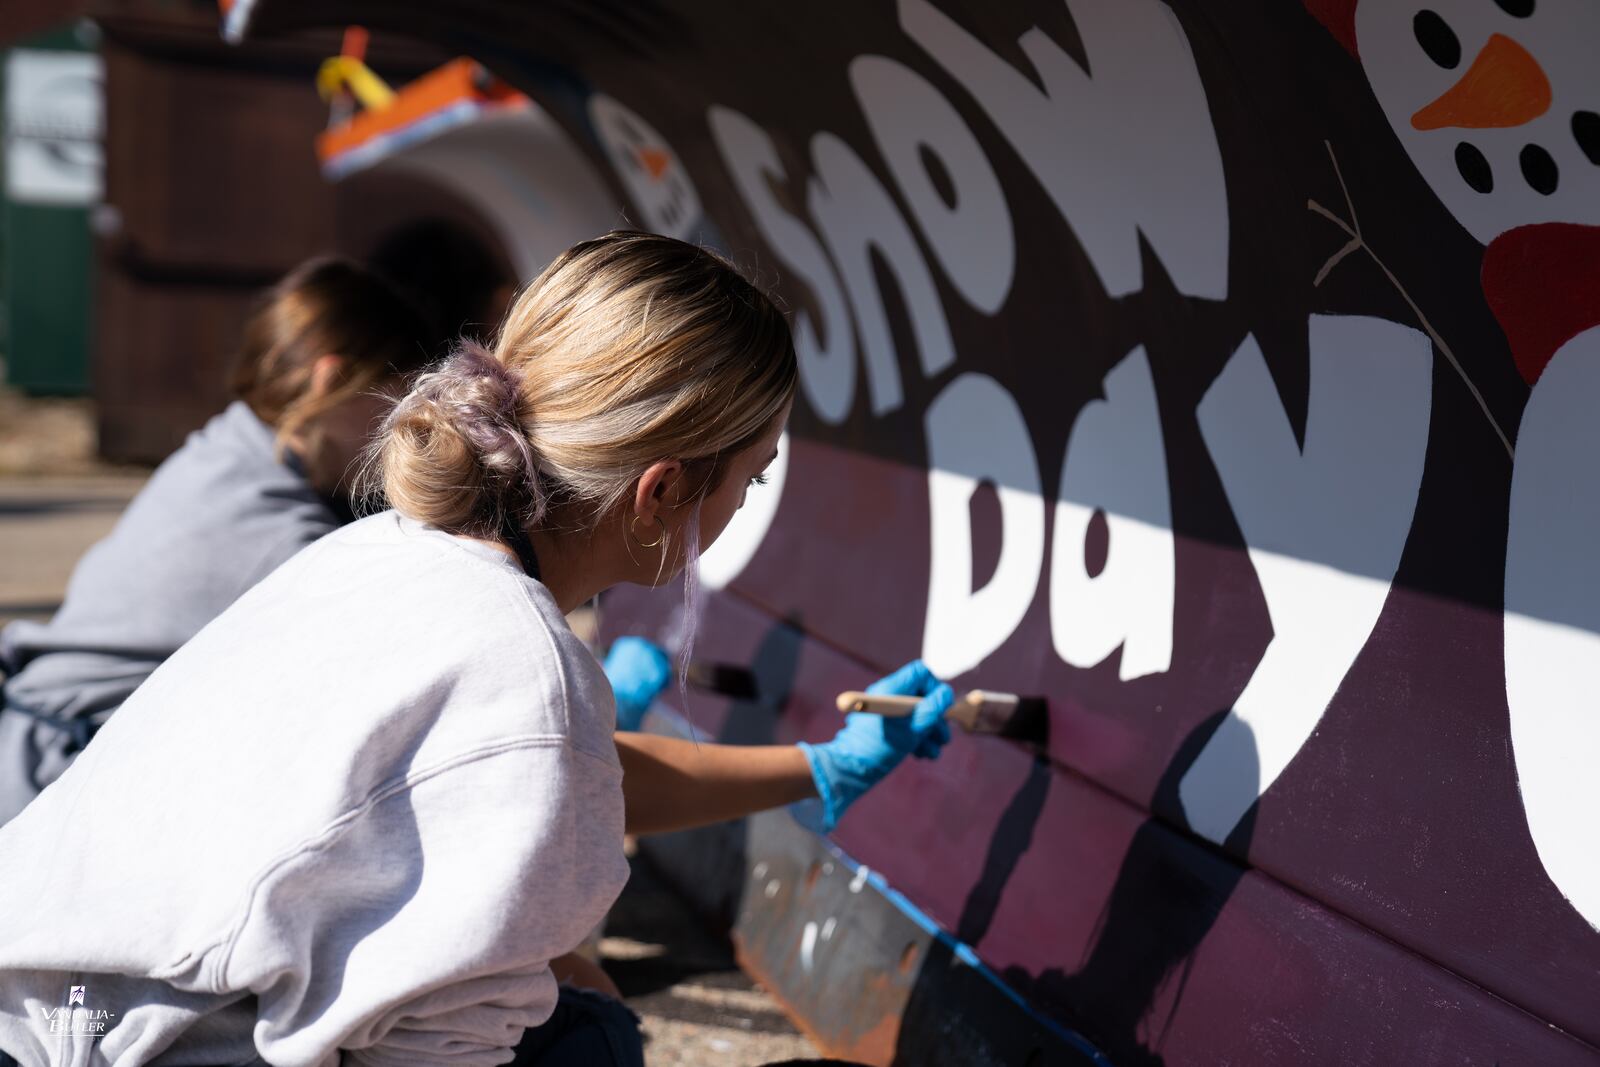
{"x": 1226, "y": 373}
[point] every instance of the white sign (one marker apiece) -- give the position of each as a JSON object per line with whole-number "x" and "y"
{"x": 54, "y": 121}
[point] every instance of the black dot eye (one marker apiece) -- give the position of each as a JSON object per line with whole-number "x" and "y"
{"x": 1517, "y": 9}
{"x": 1474, "y": 168}
{"x": 1539, "y": 169}
{"x": 1436, "y": 38}
{"x": 1586, "y": 131}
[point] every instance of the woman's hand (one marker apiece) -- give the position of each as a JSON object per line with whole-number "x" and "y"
{"x": 870, "y": 746}
{"x": 638, "y": 671}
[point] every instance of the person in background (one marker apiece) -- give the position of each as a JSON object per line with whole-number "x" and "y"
{"x": 358, "y": 817}
{"x": 322, "y": 358}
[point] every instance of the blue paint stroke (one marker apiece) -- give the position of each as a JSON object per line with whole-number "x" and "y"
{"x": 670, "y": 719}
{"x": 960, "y": 949}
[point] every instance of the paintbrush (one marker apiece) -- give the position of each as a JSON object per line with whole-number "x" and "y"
{"x": 727, "y": 679}
{"x": 724, "y": 679}
{"x": 981, "y": 711}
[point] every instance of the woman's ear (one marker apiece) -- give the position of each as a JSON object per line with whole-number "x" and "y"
{"x": 658, "y": 489}
{"x": 327, "y": 372}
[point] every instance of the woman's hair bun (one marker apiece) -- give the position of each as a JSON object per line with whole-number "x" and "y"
{"x": 629, "y": 349}
{"x": 455, "y": 451}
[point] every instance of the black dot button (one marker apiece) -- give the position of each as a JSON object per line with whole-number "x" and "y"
{"x": 1474, "y": 168}
{"x": 1539, "y": 169}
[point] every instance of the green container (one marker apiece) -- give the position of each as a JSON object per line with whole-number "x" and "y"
{"x": 52, "y": 110}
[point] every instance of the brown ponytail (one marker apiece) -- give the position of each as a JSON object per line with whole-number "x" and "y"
{"x": 324, "y": 306}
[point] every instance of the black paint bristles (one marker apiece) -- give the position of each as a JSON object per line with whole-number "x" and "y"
{"x": 1016, "y": 718}
{"x": 726, "y": 679}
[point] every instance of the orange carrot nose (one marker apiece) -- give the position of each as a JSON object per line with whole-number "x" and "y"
{"x": 1505, "y": 86}
{"x": 654, "y": 161}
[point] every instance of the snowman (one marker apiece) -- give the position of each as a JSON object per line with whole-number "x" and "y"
{"x": 655, "y": 177}
{"x": 1497, "y": 102}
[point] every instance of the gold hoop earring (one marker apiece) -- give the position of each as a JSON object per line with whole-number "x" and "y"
{"x": 633, "y": 528}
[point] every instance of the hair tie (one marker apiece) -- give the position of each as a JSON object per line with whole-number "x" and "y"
{"x": 479, "y": 361}
{"x": 492, "y": 423}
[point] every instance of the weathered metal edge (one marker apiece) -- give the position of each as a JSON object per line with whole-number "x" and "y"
{"x": 858, "y": 967}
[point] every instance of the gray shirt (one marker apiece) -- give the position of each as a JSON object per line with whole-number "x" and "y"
{"x": 350, "y": 822}
{"x": 218, "y": 516}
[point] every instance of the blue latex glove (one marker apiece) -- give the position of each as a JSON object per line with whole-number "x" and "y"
{"x": 870, "y": 746}
{"x": 638, "y": 671}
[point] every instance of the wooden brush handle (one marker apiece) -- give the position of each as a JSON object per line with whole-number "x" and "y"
{"x": 891, "y": 706}
{"x": 979, "y": 710}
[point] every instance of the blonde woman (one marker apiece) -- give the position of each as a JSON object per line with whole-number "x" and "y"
{"x": 358, "y": 816}
{"x": 323, "y": 356}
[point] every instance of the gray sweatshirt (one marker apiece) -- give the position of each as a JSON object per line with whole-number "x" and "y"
{"x": 218, "y": 516}
{"x": 351, "y": 821}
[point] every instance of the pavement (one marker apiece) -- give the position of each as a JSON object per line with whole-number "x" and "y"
{"x": 56, "y": 498}
{"x": 45, "y": 525}
{"x": 698, "y": 1008}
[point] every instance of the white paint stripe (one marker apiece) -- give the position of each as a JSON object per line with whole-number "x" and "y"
{"x": 808, "y": 947}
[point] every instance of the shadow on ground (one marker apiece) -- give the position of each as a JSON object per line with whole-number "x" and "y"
{"x": 698, "y": 1007}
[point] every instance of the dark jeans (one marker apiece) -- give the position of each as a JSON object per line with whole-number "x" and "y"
{"x": 587, "y": 1030}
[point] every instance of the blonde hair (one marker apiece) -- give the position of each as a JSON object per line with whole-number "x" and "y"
{"x": 628, "y": 349}
{"x": 325, "y": 306}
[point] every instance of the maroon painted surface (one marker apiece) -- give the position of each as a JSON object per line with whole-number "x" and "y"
{"x": 1137, "y": 934}
{"x": 1384, "y": 899}
{"x": 1402, "y": 811}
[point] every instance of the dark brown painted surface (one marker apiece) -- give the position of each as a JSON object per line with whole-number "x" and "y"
{"x": 212, "y": 192}
{"x": 163, "y": 360}
{"x": 1334, "y": 428}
